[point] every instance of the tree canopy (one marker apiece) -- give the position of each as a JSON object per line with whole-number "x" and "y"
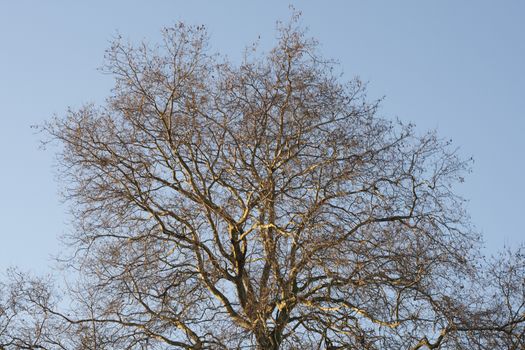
{"x": 260, "y": 205}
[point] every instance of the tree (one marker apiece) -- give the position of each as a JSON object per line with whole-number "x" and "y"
{"x": 263, "y": 205}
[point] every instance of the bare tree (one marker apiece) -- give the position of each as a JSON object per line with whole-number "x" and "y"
{"x": 266, "y": 205}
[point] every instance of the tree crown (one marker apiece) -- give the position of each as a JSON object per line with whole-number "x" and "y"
{"x": 266, "y": 205}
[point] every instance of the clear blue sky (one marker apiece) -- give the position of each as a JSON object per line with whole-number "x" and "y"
{"x": 458, "y": 66}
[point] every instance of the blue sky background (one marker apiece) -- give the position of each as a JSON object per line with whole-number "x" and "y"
{"x": 456, "y": 66}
